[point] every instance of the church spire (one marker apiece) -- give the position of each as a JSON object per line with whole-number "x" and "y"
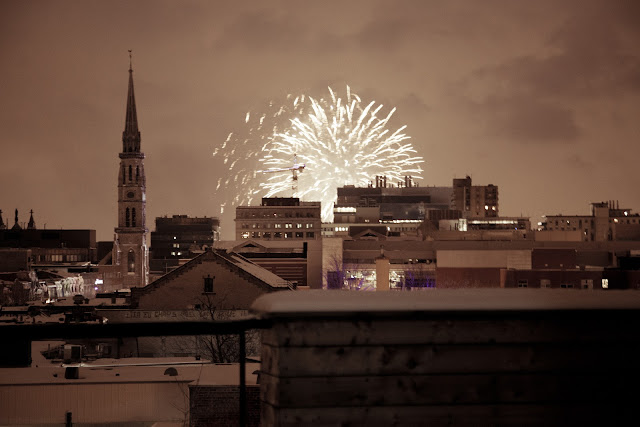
{"x": 131, "y": 134}
{"x": 32, "y": 223}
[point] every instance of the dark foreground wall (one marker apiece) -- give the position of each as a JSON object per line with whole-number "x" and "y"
{"x": 450, "y": 357}
{"x": 217, "y": 405}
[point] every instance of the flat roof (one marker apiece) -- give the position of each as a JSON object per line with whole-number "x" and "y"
{"x": 338, "y": 302}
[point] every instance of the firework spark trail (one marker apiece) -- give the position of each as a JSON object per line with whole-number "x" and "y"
{"x": 339, "y": 141}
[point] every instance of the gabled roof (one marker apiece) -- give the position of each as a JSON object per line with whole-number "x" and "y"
{"x": 376, "y": 231}
{"x": 242, "y": 266}
{"x": 264, "y": 245}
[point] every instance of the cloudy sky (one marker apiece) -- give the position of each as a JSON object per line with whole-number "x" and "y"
{"x": 541, "y": 98}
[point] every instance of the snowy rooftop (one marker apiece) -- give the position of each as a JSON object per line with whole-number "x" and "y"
{"x": 230, "y": 245}
{"x": 433, "y": 300}
{"x": 203, "y": 374}
{"x": 259, "y": 272}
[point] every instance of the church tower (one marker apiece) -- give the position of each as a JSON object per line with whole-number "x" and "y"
{"x": 130, "y": 255}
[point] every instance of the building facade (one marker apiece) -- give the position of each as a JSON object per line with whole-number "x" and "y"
{"x": 474, "y": 201}
{"x": 606, "y": 222}
{"x": 279, "y": 218}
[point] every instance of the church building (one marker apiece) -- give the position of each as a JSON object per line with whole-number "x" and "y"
{"x": 129, "y": 266}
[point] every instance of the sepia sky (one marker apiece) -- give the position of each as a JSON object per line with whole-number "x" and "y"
{"x": 541, "y": 98}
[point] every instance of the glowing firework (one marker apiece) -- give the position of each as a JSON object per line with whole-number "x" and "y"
{"x": 337, "y": 142}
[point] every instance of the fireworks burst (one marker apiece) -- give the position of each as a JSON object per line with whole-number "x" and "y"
{"x": 340, "y": 142}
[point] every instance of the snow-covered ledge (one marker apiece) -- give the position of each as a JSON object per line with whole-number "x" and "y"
{"x": 460, "y": 356}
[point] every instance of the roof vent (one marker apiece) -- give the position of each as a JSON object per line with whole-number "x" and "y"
{"x": 172, "y": 372}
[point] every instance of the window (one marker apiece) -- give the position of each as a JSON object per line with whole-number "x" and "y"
{"x": 208, "y": 284}
{"x": 545, "y": 283}
{"x": 124, "y": 175}
{"x": 137, "y": 173}
{"x": 267, "y": 235}
{"x": 277, "y": 225}
{"x": 566, "y": 285}
{"x": 133, "y": 217}
{"x": 298, "y": 225}
{"x": 131, "y": 262}
{"x": 308, "y": 225}
{"x": 245, "y": 235}
{"x": 288, "y": 235}
{"x": 277, "y": 235}
{"x": 288, "y": 225}
{"x": 255, "y": 234}
{"x": 523, "y": 283}
{"x": 126, "y": 218}
{"x": 299, "y": 234}
{"x": 311, "y": 234}
{"x": 605, "y": 283}
{"x": 130, "y": 174}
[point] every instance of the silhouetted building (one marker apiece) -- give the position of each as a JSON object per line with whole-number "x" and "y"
{"x": 51, "y": 247}
{"x": 180, "y": 237}
{"x": 129, "y": 265}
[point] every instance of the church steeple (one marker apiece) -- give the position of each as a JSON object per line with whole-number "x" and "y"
{"x": 131, "y": 135}
{"x": 32, "y": 223}
{"x": 130, "y": 254}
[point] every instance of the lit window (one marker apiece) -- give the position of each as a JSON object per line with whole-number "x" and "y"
{"x": 277, "y": 225}
{"x": 173, "y": 253}
{"x": 288, "y": 225}
{"x": 298, "y": 225}
{"x": 179, "y": 253}
{"x": 605, "y": 283}
{"x": 288, "y": 235}
{"x": 245, "y": 235}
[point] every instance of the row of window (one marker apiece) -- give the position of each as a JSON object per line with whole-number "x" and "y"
{"x": 561, "y": 223}
{"x": 278, "y": 235}
{"x": 546, "y": 283}
{"x": 277, "y": 225}
{"x": 59, "y": 258}
{"x": 271, "y": 214}
{"x": 124, "y": 175}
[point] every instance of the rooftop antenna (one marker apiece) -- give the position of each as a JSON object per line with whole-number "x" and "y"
{"x": 130, "y": 66}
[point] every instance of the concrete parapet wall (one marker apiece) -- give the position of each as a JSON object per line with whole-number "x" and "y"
{"x": 476, "y": 357}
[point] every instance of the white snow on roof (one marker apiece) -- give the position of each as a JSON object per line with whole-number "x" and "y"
{"x": 205, "y": 374}
{"x": 333, "y": 301}
{"x": 230, "y": 245}
{"x": 259, "y": 272}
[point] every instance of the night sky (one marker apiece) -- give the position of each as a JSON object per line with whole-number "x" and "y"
{"x": 538, "y": 97}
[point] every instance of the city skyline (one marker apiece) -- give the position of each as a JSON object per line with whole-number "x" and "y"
{"x": 538, "y": 99}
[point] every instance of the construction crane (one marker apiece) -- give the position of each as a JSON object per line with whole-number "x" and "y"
{"x": 297, "y": 167}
